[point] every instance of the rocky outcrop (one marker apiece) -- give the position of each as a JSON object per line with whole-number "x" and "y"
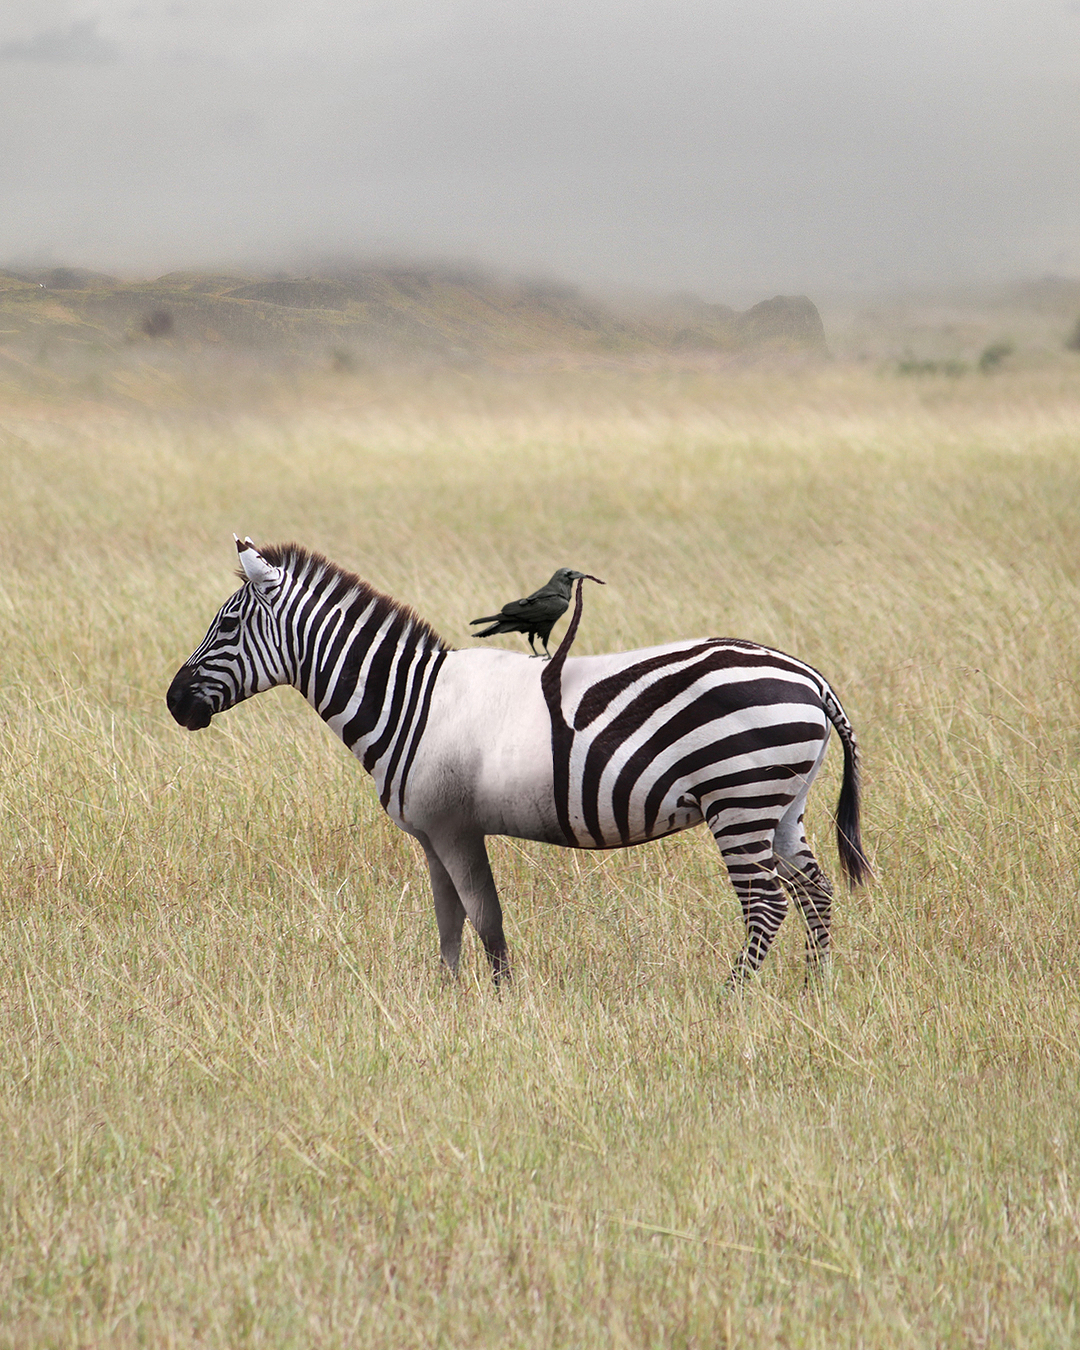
{"x": 784, "y": 323}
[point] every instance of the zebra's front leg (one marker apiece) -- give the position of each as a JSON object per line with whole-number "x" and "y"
{"x": 464, "y": 862}
{"x": 764, "y": 906}
{"x": 449, "y": 911}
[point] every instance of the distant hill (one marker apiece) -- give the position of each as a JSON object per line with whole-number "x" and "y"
{"x": 64, "y": 315}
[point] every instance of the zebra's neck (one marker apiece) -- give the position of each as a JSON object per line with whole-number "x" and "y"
{"x": 365, "y": 662}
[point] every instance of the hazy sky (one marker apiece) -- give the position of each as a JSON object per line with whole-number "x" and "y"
{"x": 725, "y": 146}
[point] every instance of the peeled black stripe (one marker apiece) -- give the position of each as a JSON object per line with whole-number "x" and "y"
{"x": 740, "y": 743}
{"x": 562, "y": 736}
{"x": 726, "y": 699}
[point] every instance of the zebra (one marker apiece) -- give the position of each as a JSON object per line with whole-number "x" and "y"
{"x": 592, "y": 752}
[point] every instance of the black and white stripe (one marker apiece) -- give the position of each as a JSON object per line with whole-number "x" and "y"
{"x": 589, "y": 752}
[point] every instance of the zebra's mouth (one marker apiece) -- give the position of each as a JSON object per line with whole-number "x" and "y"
{"x": 185, "y": 705}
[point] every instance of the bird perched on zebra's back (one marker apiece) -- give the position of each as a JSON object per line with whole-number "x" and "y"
{"x": 536, "y": 614}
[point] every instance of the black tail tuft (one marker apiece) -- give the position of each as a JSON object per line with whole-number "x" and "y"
{"x": 853, "y": 860}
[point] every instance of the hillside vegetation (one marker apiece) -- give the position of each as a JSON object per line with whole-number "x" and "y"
{"x": 240, "y": 1105}
{"x": 64, "y": 324}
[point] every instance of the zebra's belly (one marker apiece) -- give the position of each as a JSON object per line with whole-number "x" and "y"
{"x": 601, "y": 829}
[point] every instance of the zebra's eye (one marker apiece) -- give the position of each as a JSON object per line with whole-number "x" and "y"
{"x": 228, "y": 627}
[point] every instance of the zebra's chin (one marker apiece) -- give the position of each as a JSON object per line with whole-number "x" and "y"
{"x": 192, "y": 716}
{"x": 198, "y": 719}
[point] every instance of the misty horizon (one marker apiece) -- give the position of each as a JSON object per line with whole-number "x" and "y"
{"x": 733, "y": 152}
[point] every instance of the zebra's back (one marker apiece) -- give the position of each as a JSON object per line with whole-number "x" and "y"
{"x": 653, "y": 736}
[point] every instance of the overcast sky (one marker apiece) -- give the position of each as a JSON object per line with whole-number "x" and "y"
{"x": 725, "y": 146}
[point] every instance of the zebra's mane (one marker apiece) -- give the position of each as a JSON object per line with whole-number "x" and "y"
{"x": 306, "y": 563}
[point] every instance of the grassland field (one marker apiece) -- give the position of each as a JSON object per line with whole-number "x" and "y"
{"x": 240, "y": 1104}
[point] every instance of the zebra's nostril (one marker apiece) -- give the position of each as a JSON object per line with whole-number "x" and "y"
{"x": 179, "y": 691}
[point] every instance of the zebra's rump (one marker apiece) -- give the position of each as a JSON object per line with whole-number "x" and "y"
{"x": 673, "y": 737}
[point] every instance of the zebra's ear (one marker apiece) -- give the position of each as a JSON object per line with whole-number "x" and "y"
{"x": 255, "y": 566}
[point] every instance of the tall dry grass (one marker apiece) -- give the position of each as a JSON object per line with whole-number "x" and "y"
{"x": 240, "y": 1105}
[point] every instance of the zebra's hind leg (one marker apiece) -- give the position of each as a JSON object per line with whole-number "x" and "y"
{"x": 764, "y": 905}
{"x": 745, "y": 837}
{"x": 811, "y": 890}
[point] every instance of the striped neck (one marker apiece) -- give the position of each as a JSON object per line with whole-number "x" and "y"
{"x": 358, "y": 656}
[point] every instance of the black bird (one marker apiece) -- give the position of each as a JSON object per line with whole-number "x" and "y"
{"x": 536, "y": 614}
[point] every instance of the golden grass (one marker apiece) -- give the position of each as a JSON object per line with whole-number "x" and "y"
{"x": 239, "y": 1103}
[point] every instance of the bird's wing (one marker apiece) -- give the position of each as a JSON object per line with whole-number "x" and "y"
{"x": 539, "y": 605}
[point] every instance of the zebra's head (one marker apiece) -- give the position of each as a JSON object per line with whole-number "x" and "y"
{"x": 241, "y": 654}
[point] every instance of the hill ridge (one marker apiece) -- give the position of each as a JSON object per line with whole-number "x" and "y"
{"x": 372, "y": 312}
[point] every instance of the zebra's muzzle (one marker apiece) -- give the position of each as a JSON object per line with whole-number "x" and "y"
{"x": 185, "y": 704}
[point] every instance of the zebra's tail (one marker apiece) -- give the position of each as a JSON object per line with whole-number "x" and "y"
{"x": 853, "y": 860}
